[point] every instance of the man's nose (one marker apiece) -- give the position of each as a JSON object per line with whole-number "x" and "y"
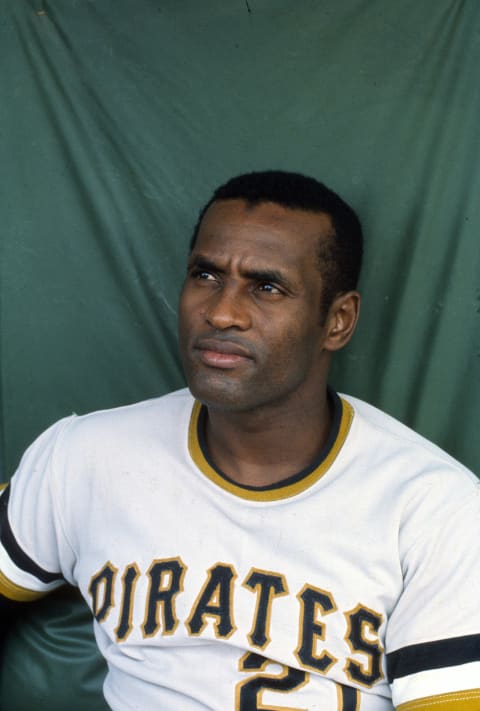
{"x": 227, "y": 308}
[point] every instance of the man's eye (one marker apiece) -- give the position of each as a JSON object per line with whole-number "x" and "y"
{"x": 202, "y": 275}
{"x": 268, "y": 288}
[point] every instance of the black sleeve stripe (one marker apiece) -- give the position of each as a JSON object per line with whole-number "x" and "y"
{"x": 433, "y": 655}
{"x": 14, "y": 551}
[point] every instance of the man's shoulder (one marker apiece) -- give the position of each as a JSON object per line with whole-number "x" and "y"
{"x": 375, "y": 430}
{"x": 153, "y": 416}
{"x": 169, "y": 402}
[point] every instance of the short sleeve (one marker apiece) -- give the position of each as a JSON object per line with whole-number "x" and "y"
{"x": 433, "y": 634}
{"x": 34, "y": 551}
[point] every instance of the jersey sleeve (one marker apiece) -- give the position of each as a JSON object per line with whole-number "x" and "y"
{"x": 34, "y": 551}
{"x": 433, "y": 634}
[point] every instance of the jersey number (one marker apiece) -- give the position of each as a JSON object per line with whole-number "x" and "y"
{"x": 248, "y": 696}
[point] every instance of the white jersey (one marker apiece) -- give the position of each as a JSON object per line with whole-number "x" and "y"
{"x": 353, "y": 586}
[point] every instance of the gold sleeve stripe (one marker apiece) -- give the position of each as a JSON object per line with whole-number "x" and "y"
{"x": 280, "y": 492}
{"x": 15, "y": 592}
{"x": 3, "y": 486}
{"x": 455, "y": 701}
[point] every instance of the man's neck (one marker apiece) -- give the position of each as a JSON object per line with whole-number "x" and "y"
{"x": 265, "y": 448}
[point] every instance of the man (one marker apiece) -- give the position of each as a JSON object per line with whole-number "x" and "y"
{"x": 266, "y": 543}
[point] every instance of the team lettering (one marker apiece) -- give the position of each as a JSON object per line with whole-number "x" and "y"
{"x": 215, "y": 603}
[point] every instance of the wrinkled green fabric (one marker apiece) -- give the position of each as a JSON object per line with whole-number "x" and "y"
{"x": 52, "y": 659}
{"x": 117, "y": 120}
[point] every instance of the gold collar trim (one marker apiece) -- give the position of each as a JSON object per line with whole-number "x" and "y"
{"x": 282, "y": 491}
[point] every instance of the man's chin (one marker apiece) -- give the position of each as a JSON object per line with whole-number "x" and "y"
{"x": 227, "y": 397}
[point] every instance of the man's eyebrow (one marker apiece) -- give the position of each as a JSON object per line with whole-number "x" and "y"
{"x": 272, "y": 275}
{"x": 201, "y": 262}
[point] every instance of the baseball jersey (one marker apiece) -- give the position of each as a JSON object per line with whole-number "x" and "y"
{"x": 352, "y": 586}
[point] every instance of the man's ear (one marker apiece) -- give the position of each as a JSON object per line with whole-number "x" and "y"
{"x": 341, "y": 320}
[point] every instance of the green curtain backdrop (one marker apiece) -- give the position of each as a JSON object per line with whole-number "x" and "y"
{"x": 117, "y": 120}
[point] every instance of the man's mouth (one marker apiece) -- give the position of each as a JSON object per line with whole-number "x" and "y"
{"x": 218, "y": 353}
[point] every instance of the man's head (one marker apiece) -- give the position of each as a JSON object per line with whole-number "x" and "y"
{"x": 269, "y": 292}
{"x": 340, "y": 256}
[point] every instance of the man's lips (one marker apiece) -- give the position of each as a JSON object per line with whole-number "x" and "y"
{"x": 221, "y": 354}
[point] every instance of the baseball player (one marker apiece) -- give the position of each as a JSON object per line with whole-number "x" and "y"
{"x": 259, "y": 541}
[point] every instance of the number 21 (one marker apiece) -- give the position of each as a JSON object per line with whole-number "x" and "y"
{"x": 248, "y": 694}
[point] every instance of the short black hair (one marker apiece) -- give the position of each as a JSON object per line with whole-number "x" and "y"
{"x": 340, "y": 256}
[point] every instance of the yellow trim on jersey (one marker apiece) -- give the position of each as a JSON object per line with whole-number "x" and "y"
{"x": 279, "y": 492}
{"x": 15, "y": 592}
{"x": 3, "y": 486}
{"x": 455, "y": 701}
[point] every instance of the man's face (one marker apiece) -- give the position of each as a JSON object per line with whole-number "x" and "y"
{"x": 251, "y": 319}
